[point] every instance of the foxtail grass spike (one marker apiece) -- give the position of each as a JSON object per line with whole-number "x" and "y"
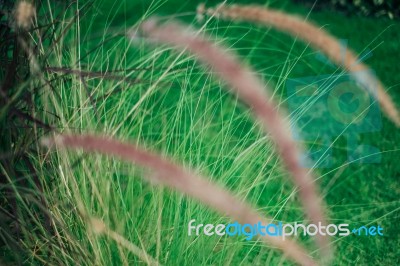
{"x": 173, "y": 176}
{"x": 252, "y": 91}
{"x": 318, "y": 38}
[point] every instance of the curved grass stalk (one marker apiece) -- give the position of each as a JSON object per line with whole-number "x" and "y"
{"x": 252, "y": 91}
{"x": 100, "y": 228}
{"x": 318, "y": 38}
{"x": 185, "y": 181}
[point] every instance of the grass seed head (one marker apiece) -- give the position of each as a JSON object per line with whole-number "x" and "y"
{"x": 24, "y": 13}
{"x": 185, "y": 181}
{"x": 319, "y": 39}
{"x": 250, "y": 90}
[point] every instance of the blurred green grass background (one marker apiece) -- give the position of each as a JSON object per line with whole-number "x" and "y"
{"x": 178, "y": 108}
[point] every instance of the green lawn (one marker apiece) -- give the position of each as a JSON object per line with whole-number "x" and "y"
{"x": 171, "y": 104}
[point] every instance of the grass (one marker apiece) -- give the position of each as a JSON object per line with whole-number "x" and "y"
{"x": 180, "y": 110}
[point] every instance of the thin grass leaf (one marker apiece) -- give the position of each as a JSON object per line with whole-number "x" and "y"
{"x": 99, "y": 227}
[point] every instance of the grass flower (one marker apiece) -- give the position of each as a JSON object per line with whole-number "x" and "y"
{"x": 252, "y": 91}
{"x": 176, "y": 177}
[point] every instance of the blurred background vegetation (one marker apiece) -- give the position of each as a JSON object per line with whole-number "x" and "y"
{"x": 91, "y": 77}
{"x": 373, "y": 8}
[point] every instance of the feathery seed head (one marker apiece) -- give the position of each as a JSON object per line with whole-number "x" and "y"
{"x": 319, "y": 39}
{"x": 24, "y": 13}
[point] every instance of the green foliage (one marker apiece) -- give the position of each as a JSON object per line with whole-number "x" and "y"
{"x": 184, "y": 114}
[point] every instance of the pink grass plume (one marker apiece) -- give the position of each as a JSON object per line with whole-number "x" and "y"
{"x": 178, "y": 178}
{"x": 249, "y": 88}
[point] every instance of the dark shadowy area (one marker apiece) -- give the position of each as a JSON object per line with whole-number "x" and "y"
{"x": 20, "y": 182}
{"x": 374, "y": 8}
